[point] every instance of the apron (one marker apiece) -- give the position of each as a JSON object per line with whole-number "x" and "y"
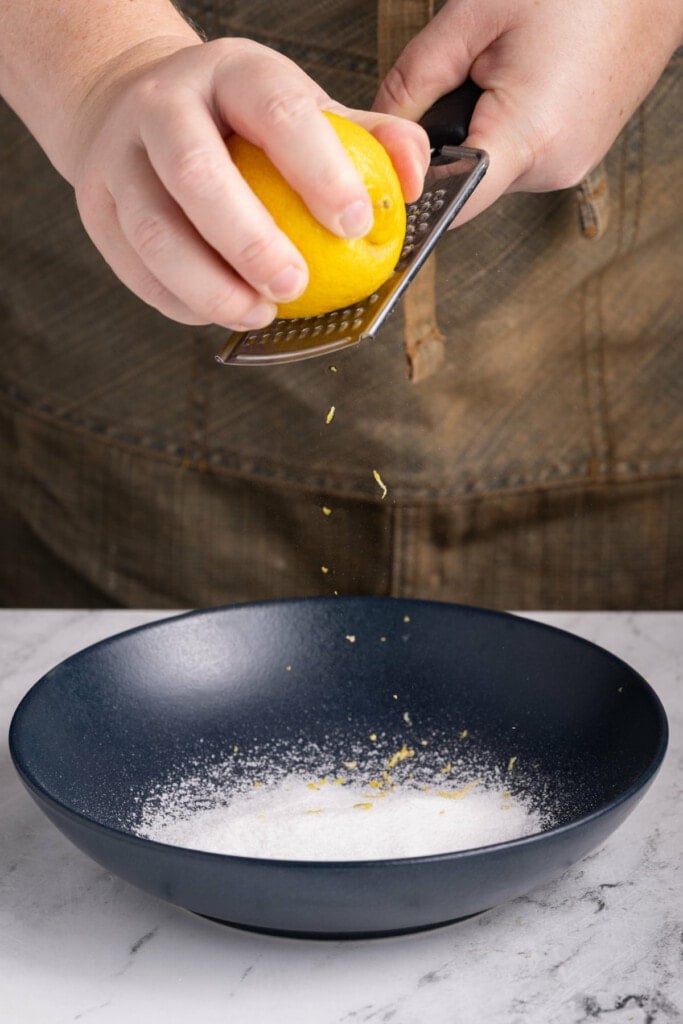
{"x": 538, "y": 466}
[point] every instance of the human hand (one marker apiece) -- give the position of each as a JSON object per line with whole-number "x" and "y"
{"x": 561, "y": 79}
{"x": 162, "y": 201}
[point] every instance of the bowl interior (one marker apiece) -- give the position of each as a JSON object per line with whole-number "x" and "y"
{"x": 570, "y": 728}
{"x": 134, "y": 710}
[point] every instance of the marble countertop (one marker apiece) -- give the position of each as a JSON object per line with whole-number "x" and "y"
{"x": 600, "y": 943}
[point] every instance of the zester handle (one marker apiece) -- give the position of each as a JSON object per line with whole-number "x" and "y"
{"x": 447, "y": 122}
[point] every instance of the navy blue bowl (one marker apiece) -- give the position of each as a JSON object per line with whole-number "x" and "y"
{"x": 110, "y": 722}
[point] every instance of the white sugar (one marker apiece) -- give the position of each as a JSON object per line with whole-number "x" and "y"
{"x": 303, "y": 817}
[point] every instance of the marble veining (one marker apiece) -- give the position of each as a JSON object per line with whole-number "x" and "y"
{"x": 601, "y": 943}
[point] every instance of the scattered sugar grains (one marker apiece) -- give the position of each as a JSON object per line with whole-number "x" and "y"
{"x": 297, "y": 815}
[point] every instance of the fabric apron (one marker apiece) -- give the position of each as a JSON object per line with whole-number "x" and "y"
{"x": 539, "y": 466}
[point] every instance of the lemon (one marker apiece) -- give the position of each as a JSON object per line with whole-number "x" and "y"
{"x": 341, "y": 271}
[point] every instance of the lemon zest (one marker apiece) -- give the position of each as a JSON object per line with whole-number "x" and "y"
{"x": 400, "y": 755}
{"x": 380, "y": 483}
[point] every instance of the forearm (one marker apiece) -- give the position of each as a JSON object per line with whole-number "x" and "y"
{"x": 53, "y": 52}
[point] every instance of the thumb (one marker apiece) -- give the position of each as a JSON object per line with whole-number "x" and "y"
{"x": 435, "y": 62}
{"x": 497, "y": 130}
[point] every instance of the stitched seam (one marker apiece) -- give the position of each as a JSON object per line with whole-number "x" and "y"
{"x": 132, "y": 372}
{"x": 549, "y": 474}
{"x": 622, "y": 194}
{"x": 402, "y": 547}
{"x": 593, "y": 367}
{"x": 520, "y": 237}
{"x": 196, "y": 408}
{"x": 394, "y": 581}
{"x": 586, "y": 380}
{"x": 208, "y": 399}
{"x": 190, "y": 455}
{"x": 601, "y": 385}
{"x": 639, "y": 197}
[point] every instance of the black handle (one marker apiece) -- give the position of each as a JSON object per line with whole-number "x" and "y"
{"x": 447, "y": 122}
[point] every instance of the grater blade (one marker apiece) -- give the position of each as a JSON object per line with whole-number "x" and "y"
{"x": 454, "y": 173}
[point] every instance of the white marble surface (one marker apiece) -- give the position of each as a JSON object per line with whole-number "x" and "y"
{"x": 600, "y": 943}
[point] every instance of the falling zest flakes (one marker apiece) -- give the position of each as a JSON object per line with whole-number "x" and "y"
{"x": 373, "y": 737}
{"x": 324, "y": 569}
{"x": 235, "y": 749}
{"x": 511, "y": 763}
{"x": 464, "y": 734}
{"x": 351, "y": 638}
{"x": 326, "y": 511}
{"x": 447, "y": 769}
{"x": 406, "y": 618}
{"x": 380, "y": 483}
{"x": 364, "y": 806}
{"x": 406, "y": 718}
{"x": 350, "y": 764}
{"x": 330, "y": 414}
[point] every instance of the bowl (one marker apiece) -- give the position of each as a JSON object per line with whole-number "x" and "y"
{"x": 563, "y": 724}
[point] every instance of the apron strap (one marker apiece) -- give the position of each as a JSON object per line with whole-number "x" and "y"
{"x": 397, "y": 22}
{"x": 592, "y": 201}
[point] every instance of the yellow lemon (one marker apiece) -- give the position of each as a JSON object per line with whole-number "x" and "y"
{"x": 341, "y": 271}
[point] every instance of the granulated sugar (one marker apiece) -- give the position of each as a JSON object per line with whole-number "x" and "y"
{"x": 379, "y": 802}
{"x": 300, "y": 819}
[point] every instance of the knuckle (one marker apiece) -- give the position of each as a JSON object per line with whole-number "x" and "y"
{"x": 397, "y": 88}
{"x": 196, "y": 172}
{"x": 87, "y": 200}
{"x": 255, "y": 255}
{"x": 149, "y": 236}
{"x": 285, "y": 108}
{"x": 152, "y": 291}
{"x": 223, "y": 307}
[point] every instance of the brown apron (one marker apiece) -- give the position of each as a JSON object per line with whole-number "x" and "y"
{"x": 539, "y": 466}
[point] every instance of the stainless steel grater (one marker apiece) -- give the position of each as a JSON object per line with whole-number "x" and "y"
{"x": 454, "y": 173}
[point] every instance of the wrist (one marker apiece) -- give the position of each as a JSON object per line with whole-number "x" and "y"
{"x": 54, "y": 54}
{"x": 87, "y": 102}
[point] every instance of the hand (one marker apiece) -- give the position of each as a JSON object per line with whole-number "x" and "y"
{"x": 561, "y": 79}
{"x": 162, "y": 201}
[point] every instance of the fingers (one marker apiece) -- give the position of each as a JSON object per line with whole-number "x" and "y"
{"x": 157, "y": 253}
{"x": 192, "y": 162}
{"x": 407, "y": 145}
{"x": 99, "y": 217}
{"x": 282, "y": 115}
{"x": 163, "y": 202}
